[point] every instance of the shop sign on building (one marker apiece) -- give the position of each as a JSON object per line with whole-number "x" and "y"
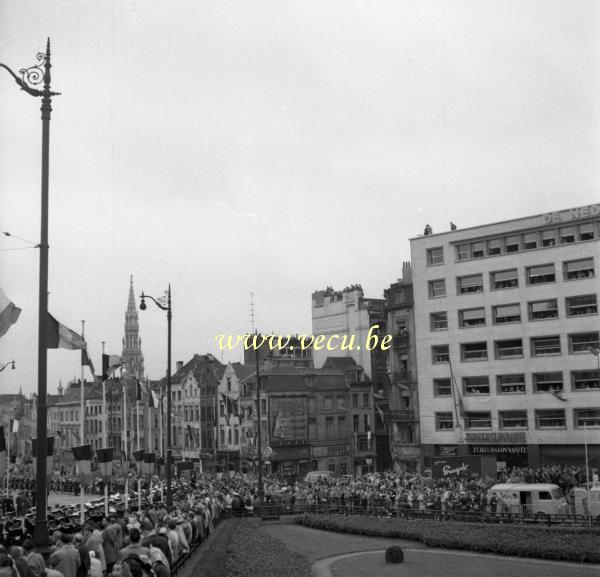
{"x": 511, "y": 438}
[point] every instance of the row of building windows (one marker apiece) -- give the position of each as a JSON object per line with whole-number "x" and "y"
{"x": 539, "y": 346}
{"x": 515, "y": 383}
{"x": 574, "y": 306}
{"x": 543, "y": 419}
{"x": 511, "y": 243}
{"x": 579, "y": 269}
{"x": 71, "y": 416}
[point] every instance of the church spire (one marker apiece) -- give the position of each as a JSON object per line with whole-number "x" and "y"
{"x": 133, "y": 360}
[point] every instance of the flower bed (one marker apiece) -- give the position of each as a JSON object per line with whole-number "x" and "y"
{"x": 538, "y": 542}
{"x": 253, "y": 552}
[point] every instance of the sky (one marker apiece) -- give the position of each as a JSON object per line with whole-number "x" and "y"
{"x": 274, "y": 147}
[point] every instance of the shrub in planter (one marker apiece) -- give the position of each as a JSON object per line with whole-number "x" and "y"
{"x": 394, "y": 554}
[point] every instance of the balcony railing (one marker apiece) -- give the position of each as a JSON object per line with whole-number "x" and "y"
{"x": 402, "y": 377}
{"x": 401, "y": 340}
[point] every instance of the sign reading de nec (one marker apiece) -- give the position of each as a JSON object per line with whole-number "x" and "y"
{"x": 572, "y": 214}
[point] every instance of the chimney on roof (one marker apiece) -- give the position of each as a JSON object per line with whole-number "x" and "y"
{"x": 179, "y": 365}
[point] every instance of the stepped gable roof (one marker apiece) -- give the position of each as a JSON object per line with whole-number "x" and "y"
{"x": 197, "y": 365}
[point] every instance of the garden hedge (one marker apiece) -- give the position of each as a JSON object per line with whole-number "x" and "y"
{"x": 582, "y": 546}
{"x": 255, "y": 553}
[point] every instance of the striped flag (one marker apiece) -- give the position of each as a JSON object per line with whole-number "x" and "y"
{"x": 109, "y": 364}
{"x": 86, "y": 361}
{"x": 49, "y": 453}
{"x": 83, "y": 457}
{"x": 149, "y": 460}
{"x": 9, "y": 313}
{"x": 61, "y": 337}
{"x": 105, "y": 461}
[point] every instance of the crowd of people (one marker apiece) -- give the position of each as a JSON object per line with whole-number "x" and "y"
{"x": 149, "y": 541}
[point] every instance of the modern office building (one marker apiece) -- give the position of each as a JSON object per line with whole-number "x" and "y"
{"x": 506, "y": 321}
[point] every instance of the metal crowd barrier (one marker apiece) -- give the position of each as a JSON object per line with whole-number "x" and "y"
{"x": 277, "y": 510}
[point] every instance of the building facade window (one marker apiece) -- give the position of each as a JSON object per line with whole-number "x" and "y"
{"x": 502, "y": 314}
{"x": 583, "y": 342}
{"x": 444, "y": 421}
{"x": 472, "y": 283}
{"x": 548, "y": 237}
{"x": 478, "y": 420}
{"x": 329, "y": 427}
{"x": 541, "y": 346}
{"x": 476, "y": 385}
{"x": 542, "y": 310}
{"x": 440, "y": 354}
{"x": 435, "y": 256}
{"x": 567, "y": 235}
{"x": 583, "y": 418}
{"x": 548, "y": 382}
{"x": 355, "y": 423}
{"x": 550, "y": 419}
{"x": 366, "y": 400}
{"x": 578, "y": 269}
{"x": 512, "y": 243}
{"x": 473, "y": 351}
{"x": 585, "y": 380}
{"x": 442, "y": 388}
{"x": 530, "y": 240}
{"x": 540, "y": 274}
{"x": 355, "y": 400}
{"x": 494, "y": 246}
{"x": 586, "y": 231}
{"x": 581, "y": 305}
{"x": 512, "y": 419}
{"x": 503, "y": 279}
{"x": 510, "y": 384}
{"x": 437, "y": 288}
{"x": 438, "y": 321}
{"x": 508, "y": 349}
{"x": 471, "y": 317}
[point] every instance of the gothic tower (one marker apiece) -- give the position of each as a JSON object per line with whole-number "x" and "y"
{"x": 133, "y": 360}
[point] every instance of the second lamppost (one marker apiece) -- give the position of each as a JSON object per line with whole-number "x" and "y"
{"x": 164, "y": 303}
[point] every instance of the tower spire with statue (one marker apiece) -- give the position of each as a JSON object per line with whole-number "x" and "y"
{"x": 133, "y": 359}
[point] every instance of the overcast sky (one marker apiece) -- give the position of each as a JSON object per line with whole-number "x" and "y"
{"x": 275, "y": 147}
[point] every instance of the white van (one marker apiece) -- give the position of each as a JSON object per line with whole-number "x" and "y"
{"x": 532, "y": 499}
{"x": 579, "y": 502}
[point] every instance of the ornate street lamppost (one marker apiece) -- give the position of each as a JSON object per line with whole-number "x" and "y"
{"x": 4, "y": 365}
{"x": 29, "y": 78}
{"x": 164, "y": 303}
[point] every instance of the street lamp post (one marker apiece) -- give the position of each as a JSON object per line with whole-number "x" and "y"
{"x": 261, "y": 492}
{"x": 164, "y": 303}
{"x": 4, "y": 365}
{"x": 29, "y": 78}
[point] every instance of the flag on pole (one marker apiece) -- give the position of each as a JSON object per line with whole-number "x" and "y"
{"x": 61, "y": 337}
{"x": 153, "y": 400}
{"x": 139, "y": 459}
{"x": 15, "y": 426}
{"x": 9, "y": 313}
{"x": 381, "y": 414}
{"x": 83, "y": 457}
{"x": 138, "y": 390}
{"x": 2, "y": 452}
{"x": 149, "y": 460}
{"x": 86, "y": 361}
{"x": 109, "y": 364}
{"x": 105, "y": 461}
